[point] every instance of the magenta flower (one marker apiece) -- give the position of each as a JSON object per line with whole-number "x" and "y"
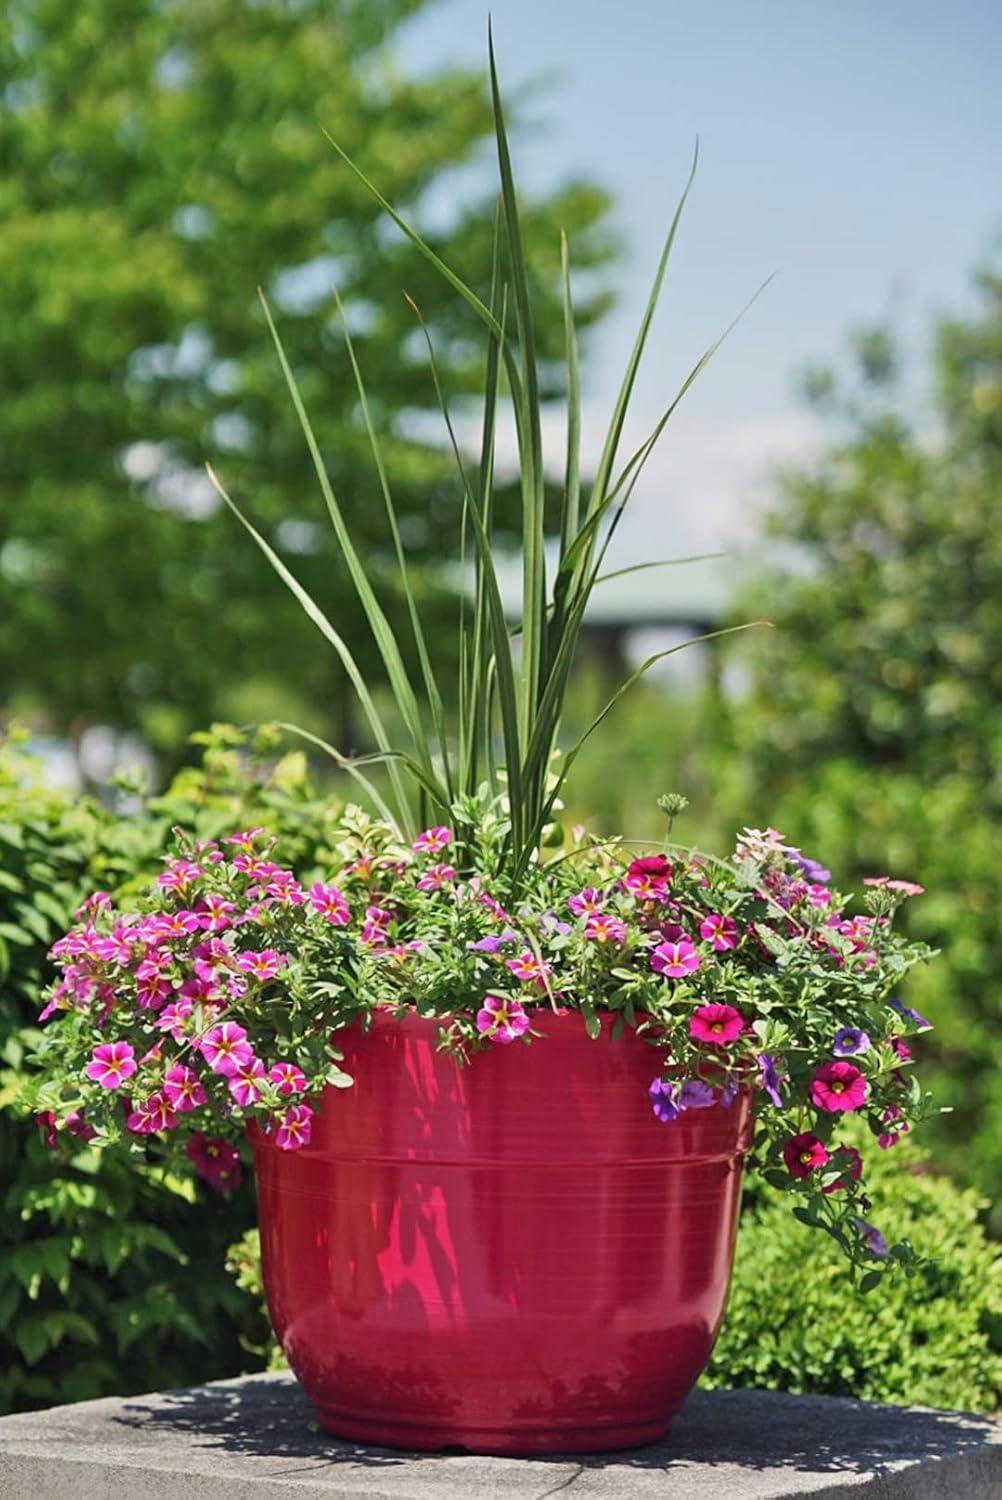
{"x": 179, "y": 874}
{"x": 328, "y": 902}
{"x": 435, "y": 877}
{"x": 173, "y": 1017}
{"x": 182, "y": 1088}
{"x": 284, "y": 888}
{"x": 246, "y": 1083}
{"x": 214, "y": 912}
{"x": 377, "y": 920}
{"x": 432, "y": 840}
{"x": 851, "y": 1163}
{"x": 501, "y": 1020}
{"x": 722, "y": 932}
{"x": 226, "y": 1049}
{"x": 838, "y": 1086}
{"x": 168, "y": 926}
{"x": 803, "y": 1154}
{"x": 245, "y": 841}
{"x": 294, "y": 1131}
{"x": 216, "y": 1161}
{"x": 718, "y": 1024}
{"x": 111, "y": 1064}
{"x": 117, "y": 947}
{"x": 151, "y": 993}
{"x": 586, "y": 902}
{"x": 152, "y": 1115}
{"x": 287, "y": 1078}
{"x": 528, "y": 967}
{"x": 675, "y": 960}
{"x": 263, "y": 966}
{"x": 605, "y": 929}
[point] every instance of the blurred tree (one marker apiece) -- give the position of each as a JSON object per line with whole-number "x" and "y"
{"x": 161, "y": 159}
{"x": 872, "y": 734}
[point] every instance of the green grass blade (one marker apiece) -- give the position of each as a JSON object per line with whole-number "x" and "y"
{"x": 467, "y": 294}
{"x": 570, "y": 510}
{"x": 320, "y": 620}
{"x": 432, "y": 693}
{"x": 349, "y": 764}
{"x": 501, "y": 655}
{"x": 662, "y": 562}
{"x": 378, "y": 623}
{"x": 530, "y": 441}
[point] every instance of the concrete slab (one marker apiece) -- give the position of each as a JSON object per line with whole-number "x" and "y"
{"x": 253, "y": 1439}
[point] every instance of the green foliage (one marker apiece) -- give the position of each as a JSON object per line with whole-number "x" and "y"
{"x": 934, "y": 1339}
{"x": 111, "y": 1272}
{"x": 873, "y": 730}
{"x": 161, "y": 162}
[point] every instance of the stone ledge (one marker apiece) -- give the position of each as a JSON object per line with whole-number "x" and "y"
{"x": 252, "y": 1439}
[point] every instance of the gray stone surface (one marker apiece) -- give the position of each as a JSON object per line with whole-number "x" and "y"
{"x": 254, "y": 1439}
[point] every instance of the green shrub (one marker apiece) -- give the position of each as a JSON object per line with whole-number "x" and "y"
{"x": 794, "y": 1323}
{"x": 112, "y": 1275}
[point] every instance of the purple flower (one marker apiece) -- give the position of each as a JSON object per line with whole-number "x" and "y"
{"x": 664, "y": 1101}
{"x": 850, "y": 1040}
{"x": 874, "y": 1239}
{"x": 695, "y": 1094}
{"x": 729, "y": 1091}
{"x": 909, "y": 1014}
{"x": 811, "y": 868}
{"x": 552, "y": 925}
{"x": 770, "y": 1078}
{"x": 494, "y": 941}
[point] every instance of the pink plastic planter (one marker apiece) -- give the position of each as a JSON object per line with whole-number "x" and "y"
{"x": 512, "y": 1256}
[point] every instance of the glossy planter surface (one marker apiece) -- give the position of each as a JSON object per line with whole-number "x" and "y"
{"x": 512, "y": 1256}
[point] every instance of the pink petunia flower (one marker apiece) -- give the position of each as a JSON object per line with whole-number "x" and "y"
{"x": 838, "y": 1086}
{"x": 294, "y": 1131}
{"x": 117, "y": 948}
{"x": 435, "y": 877}
{"x": 722, "y": 932}
{"x": 151, "y": 993}
{"x": 150, "y": 1116}
{"x": 179, "y": 875}
{"x": 245, "y": 840}
{"x": 111, "y": 1064}
{"x": 803, "y": 1154}
{"x": 675, "y": 960}
{"x": 263, "y": 966}
{"x": 586, "y": 902}
{"x": 182, "y": 1088}
{"x": 432, "y": 840}
{"x": 601, "y": 928}
{"x": 718, "y": 1024}
{"x": 527, "y": 966}
{"x": 327, "y": 901}
{"x": 225, "y": 1048}
{"x": 173, "y": 1017}
{"x": 284, "y": 888}
{"x": 287, "y": 1078}
{"x": 216, "y": 1161}
{"x": 245, "y": 1083}
{"x": 214, "y": 912}
{"x": 501, "y": 1020}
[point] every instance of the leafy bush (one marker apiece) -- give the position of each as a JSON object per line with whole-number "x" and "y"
{"x": 792, "y": 1325}
{"x": 111, "y": 1277}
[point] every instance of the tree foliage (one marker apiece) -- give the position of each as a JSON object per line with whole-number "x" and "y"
{"x": 161, "y": 161}
{"x": 873, "y": 728}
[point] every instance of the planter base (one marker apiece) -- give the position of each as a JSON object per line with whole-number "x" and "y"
{"x": 491, "y": 1441}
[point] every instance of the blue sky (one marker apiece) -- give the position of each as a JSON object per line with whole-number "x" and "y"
{"x": 851, "y": 148}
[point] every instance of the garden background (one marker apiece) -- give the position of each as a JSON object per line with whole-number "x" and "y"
{"x": 162, "y": 160}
